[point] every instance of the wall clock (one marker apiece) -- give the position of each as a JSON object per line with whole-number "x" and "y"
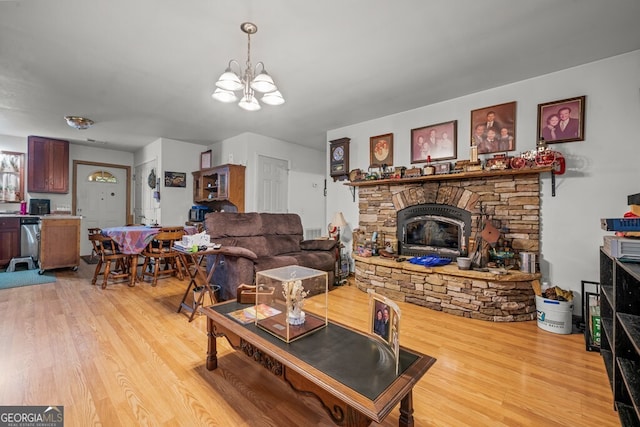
{"x": 339, "y": 159}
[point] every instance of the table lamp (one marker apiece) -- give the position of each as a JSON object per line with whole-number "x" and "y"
{"x": 338, "y": 222}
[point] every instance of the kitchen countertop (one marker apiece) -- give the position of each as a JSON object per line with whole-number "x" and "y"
{"x": 50, "y": 216}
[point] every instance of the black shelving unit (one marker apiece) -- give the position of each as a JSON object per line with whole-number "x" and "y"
{"x": 620, "y": 337}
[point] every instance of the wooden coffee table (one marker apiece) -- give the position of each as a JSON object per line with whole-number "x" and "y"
{"x": 352, "y": 374}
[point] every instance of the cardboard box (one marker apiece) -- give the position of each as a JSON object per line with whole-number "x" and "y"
{"x": 200, "y": 239}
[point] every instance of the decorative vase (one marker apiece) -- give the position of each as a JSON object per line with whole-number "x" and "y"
{"x": 294, "y": 294}
{"x": 296, "y": 317}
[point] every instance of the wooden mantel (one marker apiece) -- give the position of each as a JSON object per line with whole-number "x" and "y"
{"x": 452, "y": 176}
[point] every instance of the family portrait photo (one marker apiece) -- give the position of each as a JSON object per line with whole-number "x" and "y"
{"x": 493, "y": 129}
{"x": 562, "y": 121}
{"x": 381, "y": 323}
{"x": 384, "y": 322}
{"x": 434, "y": 142}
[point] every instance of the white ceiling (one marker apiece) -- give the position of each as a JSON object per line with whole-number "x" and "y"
{"x": 145, "y": 69}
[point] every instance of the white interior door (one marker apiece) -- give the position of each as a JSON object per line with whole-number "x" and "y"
{"x": 312, "y": 206}
{"x": 273, "y": 189}
{"x": 101, "y": 203}
{"x": 145, "y": 206}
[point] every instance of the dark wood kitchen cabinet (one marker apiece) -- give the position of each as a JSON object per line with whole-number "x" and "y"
{"x": 48, "y": 165}
{"x": 9, "y": 239}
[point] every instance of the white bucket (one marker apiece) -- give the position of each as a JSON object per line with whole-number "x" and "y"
{"x": 554, "y": 316}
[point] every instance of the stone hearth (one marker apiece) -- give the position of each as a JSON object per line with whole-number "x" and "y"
{"x": 473, "y": 294}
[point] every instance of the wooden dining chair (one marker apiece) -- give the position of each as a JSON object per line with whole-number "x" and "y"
{"x": 112, "y": 264}
{"x": 91, "y": 231}
{"x": 160, "y": 257}
{"x": 95, "y": 251}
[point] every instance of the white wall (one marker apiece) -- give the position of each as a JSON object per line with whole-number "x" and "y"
{"x": 601, "y": 172}
{"x": 13, "y": 143}
{"x": 149, "y": 153}
{"x": 306, "y": 168}
{"x": 177, "y": 156}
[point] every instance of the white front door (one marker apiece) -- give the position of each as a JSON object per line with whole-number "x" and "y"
{"x": 273, "y": 188}
{"x": 101, "y": 202}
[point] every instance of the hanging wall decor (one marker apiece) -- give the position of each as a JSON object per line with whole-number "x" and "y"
{"x": 151, "y": 179}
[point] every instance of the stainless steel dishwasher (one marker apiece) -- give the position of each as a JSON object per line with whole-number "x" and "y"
{"x": 30, "y": 237}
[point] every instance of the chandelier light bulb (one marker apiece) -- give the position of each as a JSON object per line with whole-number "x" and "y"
{"x": 224, "y": 95}
{"x": 249, "y": 103}
{"x": 263, "y": 82}
{"x": 229, "y": 80}
{"x": 273, "y": 98}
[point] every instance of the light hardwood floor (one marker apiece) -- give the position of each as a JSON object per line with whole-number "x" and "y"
{"x": 124, "y": 357}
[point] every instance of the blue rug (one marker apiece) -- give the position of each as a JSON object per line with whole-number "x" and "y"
{"x": 25, "y": 278}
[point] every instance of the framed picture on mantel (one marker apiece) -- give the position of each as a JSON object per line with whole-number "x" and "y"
{"x": 381, "y": 150}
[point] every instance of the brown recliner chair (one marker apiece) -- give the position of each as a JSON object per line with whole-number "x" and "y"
{"x": 269, "y": 241}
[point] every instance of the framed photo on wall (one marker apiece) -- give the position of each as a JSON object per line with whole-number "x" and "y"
{"x": 562, "y": 121}
{"x": 175, "y": 179}
{"x": 493, "y": 129}
{"x": 205, "y": 160}
{"x": 381, "y": 150}
{"x": 438, "y": 142}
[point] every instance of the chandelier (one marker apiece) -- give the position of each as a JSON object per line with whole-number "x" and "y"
{"x": 77, "y": 122}
{"x": 251, "y": 81}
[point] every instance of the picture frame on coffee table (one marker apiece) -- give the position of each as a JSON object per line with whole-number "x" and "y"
{"x": 384, "y": 322}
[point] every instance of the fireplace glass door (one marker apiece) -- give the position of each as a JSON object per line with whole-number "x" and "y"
{"x": 433, "y": 234}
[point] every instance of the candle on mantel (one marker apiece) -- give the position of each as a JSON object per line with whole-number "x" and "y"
{"x": 473, "y": 155}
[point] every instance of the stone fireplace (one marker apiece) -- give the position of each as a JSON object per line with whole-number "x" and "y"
{"x": 510, "y": 200}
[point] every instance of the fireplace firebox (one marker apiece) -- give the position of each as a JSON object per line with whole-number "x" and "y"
{"x": 433, "y": 229}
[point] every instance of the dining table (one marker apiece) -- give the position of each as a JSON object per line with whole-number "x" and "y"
{"x": 132, "y": 239}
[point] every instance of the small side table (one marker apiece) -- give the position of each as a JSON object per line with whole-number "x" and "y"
{"x": 341, "y": 273}
{"x": 198, "y": 278}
